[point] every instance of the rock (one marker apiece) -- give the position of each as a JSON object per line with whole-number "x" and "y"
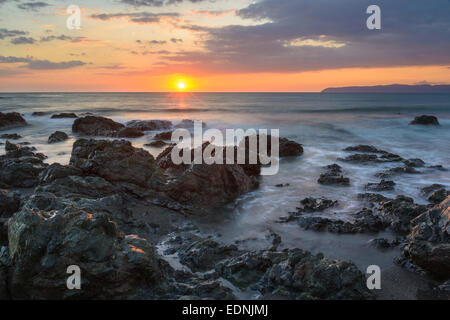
{"x": 415, "y": 163}
{"x": 116, "y": 161}
{"x": 20, "y": 166}
{"x": 429, "y": 240}
{"x": 384, "y": 244}
{"x": 39, "y": 113}
{"x": 429, "y": 189}
{"x": 96, "y": 126}
{"x": 395, "y": 171}
{"x": 399, "y": 213}
{"x": 425, "y": 120}
{"x": 363, "y": 148}
{"x": 64, "y": 115}
{"x": 58, "y": 171}
{"x": 57, "y": 136}
{"x": 9, "y": 203}
{"x": 11, "y": 120}
{"x": 383, "y": 185}
{"x": 360, "y": 158}
{"x": 275, "y": 240}
{"x": 373, "y": 198}
{"x": 44, "y": 244}
{"x": 167, "y": 135}
{"x": 287, "y": 148}
{"x": 282, "y": 185}
{"x": 12, "y": 136}
{"x": 295, "y": 274}
{"x": 156, "y": 144}
{"x": 149, "y": 125}
{"x": 187, "y": 124}
{"x": 438, "y": 196}
{"x": 314, "y": 205}
{"x": 130, "y": 133}
{"x": 5, "y": 264}
{"x": 333, "y": 175}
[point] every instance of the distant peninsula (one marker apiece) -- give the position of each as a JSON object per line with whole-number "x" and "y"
{"x": 393, "y": 88}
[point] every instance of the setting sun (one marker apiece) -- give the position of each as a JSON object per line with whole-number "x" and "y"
{"x": 181, "y": 85}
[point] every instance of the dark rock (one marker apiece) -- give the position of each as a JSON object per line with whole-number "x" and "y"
{"x": 64, "y": 115}
{"x": 167, "y": 135}
{"x": 438, "y": 196}
{"x": 12, "y": 136}
{"x": 39, "y": 113}
{"x": 425, "y": 120}
{"x": 116, "y": 161}
{"x": 149, "y": 125}
{"x": 20, "y": 166}
{"x": 383, "y": 185}
{"x": 9, "y": 203}
{"x": 287, "y": 148}
{"x": 130, "y": 133}
{"x": 11, "y": 120}
{"x": 314, "y": 205}
{"x": 333, "y": 175}
{"x": 5, "y": 264}
{"x": 360, "y": 158}
{"x": 372, "y": 197}
{"x": 57, "y": 136}
{"x": 43, "y": 244}
{"x": 295, "y": 274}
{"x": 363, "y": 148}
{"x": 429, "y": 241}
{"x": 156, "y": 144}
{"x": 384, "y": 244}
{"x": 399, "y": 213}
{"x": 429, "y": 189}
{"x": 58, "y": 171}
{"x": 395, "y": 171}
{"x": 96, "y": 126}
{"x": 282, "y": 185}
{"x": 415, "y": 163}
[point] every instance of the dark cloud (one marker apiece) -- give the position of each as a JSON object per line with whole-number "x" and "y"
{"x": 36, "y": 64}
{"x": 33, "y": 6}
{"x": 301, "y": 35}
{"x": 62, "y": 38}
{"x": 175, "y": 40}
{"x": 23, "y": 40}
{"x": 5, "y": 33}
{"x": 136, "y": 17}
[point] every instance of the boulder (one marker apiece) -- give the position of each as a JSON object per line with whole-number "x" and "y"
{"x": 149, "y": 125}
{"x": 130, "y": 133}
{"x": 96, "y": 126}
{"x": 425, "y": 120}
{"x": 57, "y": 136}
{"x": 11, "y": 136}
{"x": 167, "y": 135}
{"x": 64, "y": 115}
{"x": 429, "y": 241}
{"x": 287, "y": 148}
{"x": 44, "y": 244}
{"x": 383, "y": 185}
{"x": 333, "y": 176}
{"x": 116, "y": 161}
{"x": 11, "y": 120}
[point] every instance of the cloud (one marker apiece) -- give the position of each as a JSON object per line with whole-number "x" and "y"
{"x": 36, "y": 64}
{"x": 62, "y": 38}
{"x": 32, "y": 6}
{"x": 175, "y": 40}
{"x": 156, "y": 3}
{"x": 5, "y": 33}
{"x": 305, "y": 35}
{"x": 23, "y": 40}
{"x": 136, "y": 17}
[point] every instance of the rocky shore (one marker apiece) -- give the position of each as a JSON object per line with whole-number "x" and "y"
{"x": 129, "y": 221}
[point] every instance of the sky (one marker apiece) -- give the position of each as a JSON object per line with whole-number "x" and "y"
{"x": 221, "y": 45}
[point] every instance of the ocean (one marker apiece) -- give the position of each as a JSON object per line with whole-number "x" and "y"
{"x": 324, "y": 124}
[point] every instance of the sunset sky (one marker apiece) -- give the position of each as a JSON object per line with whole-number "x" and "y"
{"x": 221, "y": 45}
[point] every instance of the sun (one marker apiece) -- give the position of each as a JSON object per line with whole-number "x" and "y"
{"x": 181, "y": 85}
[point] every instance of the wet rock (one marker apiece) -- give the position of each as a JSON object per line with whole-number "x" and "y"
{"x": 363, "y": 148}
{"x": 11, "y": 136}
{"x": 360, "y": 158}
{"x": 287, "y": 148}
{"x": 11, "y": 120}
{"x": 372, "y": 198}
{"x": 295, "y": 274}
{"x": 438, "y": 196}
{"x": 395, "y": 171}
{"x": 156, "y": 144}
{"x": 43, "y": 244}
{"x": 130, "y": 133}
{"x": 429, "y": 241}
{"x": 57, "y": 136}
{"x": 63, "y": 115}
{"x": 438, "y": 167}
{"x": 275, "y": 240}
{"x": 149, "y": 125}
{"x": 415, "y": 163}
{"x": 384, "y": 244}
{"x": 39, "y": 113}
{"x": 314, "y": 205}
{"x": 9, "y": 203}
{"x": 429, "y": 189}
{"x": 58, "y": 171}
{"x": 116, "y": 161}
{"x": 20, "y": 166}
{"x": 167, "y": 135}
{"x": 5, "y": 264}
{"x": 425, "y": 120}
{"x": 333, "y": 176}
{"x": 96, "y": 126}
{"x": 399, "y": 213}
{"x": 383, "y": 185}
{"x": 282, "y": 185}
